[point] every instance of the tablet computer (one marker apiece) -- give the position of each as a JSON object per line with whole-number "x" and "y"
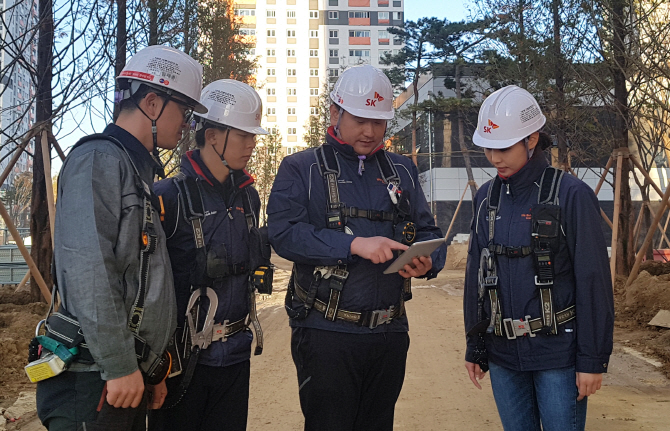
{"x": 422, "y": 248}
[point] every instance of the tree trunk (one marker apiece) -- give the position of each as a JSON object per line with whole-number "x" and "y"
{"x": 625, "y": 249}
{"x": 188, "y": 42}
{"x": 560, "y": 88}
{"x": 461, "y": 132}
{"x": 120, "y": 61}
{"x": 153, "y": 22}
{"x": 40, "y": 230}
{"x": 522, "y": 46}
{"x": 415, "y": 86}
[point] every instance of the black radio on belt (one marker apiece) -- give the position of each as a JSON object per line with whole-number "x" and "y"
{"x": 262, "y": 277}
{"x": 334, "y": 220}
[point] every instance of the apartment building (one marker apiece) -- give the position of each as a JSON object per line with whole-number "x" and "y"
{"x": 302, "y": 44}
{"x": 17, "y": 108}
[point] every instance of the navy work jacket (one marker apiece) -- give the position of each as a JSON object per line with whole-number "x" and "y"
{"x": 297, "y": 229}
{"x": 225, "y": 230}
{"x": 581, "y": 276}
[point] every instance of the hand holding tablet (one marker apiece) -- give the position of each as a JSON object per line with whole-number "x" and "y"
{"x": 418, "y": 249}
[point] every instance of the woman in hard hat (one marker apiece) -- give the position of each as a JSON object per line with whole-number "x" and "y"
{"x": 211, "y": 216}
{"x": 538, "y": 294}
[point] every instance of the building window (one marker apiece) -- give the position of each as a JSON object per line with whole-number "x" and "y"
{"x": 245, "y": 12}
{"x": 333, "y": 2}
{"x": 272, "y": 130}
{"x": 271, "y": 33}
{"x": 334, "y": 33}
{"x": 291, "y": 111}
{"x": 290, "y": 52}
{"x": 291, "y": 92}
{"x": 359, "y": 53}
{"x": 334, "y": 53}
{"x": 359, "y": 33}
{"x": 333, "y": 14}
{"x": 270, "y": 91}
{"x": 359, "y": 14}
{"x": 313, "y": 72}
{"x": 313, "y": 52}
{"x": 292, "y": 130}
{"x": 271, "y": 52}
{"x": 314, "y": 14}
{"x": 271, "y": 111}
{"x": 270, "y": 13}
{"x": 313, "y": 91}
{"x": 290, "y": 72}
{"x": 313, "y": 110}
{"x": 271, "y": 72}
{"x": 290, "y": 33}
{"x": 252, "y": 51}
{"x": 397, "y": 16}
{"x": 383, "y": 34}
{"x": 314, "y": 33}
{"x": 333, "y": 72}
{"x": 247, "y": 31}
{"x": 290, "y": 14}
{"x": 382, "y": 15}
{"x": 384, "y": 53}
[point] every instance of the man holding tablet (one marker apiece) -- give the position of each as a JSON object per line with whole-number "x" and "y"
{"x": 341, "y": 212}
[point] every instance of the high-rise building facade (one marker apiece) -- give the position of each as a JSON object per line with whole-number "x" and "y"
{"x": 18, "y": 51}
{"x": 303, "y": 44}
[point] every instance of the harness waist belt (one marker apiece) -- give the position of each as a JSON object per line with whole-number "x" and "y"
{"x": 374, "y": 215}
{"x": 519, "y": 327}
{"x": 511, "y": 252}
{"x": 371, "y": 319}
{"x": 225, "y": 330}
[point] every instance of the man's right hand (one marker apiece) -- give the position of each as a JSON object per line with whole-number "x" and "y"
{"x": 126, "y": 391}
{"x": 377, "y": 249}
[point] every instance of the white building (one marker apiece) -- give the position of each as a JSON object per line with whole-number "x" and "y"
{"x": 300, "y": 43}
{"x": 17, "y": 108}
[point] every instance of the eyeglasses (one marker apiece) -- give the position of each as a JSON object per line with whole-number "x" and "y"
{"x": 186, "y": 109}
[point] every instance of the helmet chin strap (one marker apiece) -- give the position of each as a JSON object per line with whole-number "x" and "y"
{"x": 339, "y": 118}
{"x": 225, "y": 145}
{"x": 154, "y": 134}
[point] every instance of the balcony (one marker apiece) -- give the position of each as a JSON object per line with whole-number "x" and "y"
{"x": 384, "y": 41}
{"x": 359, "y": 41}
{"x": 384, "y": 21}
{"x": 383, "y": 3}
{"x": 359, "y": 21}
{"x": 359, "y": 3}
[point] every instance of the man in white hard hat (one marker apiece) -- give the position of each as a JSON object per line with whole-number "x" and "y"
{"x": 211, "y": 222}
{"x": 111, "y": 262}
{"x": 340, "y": 212}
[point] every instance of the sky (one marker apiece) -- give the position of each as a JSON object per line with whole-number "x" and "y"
{"x": 453, "y": 10}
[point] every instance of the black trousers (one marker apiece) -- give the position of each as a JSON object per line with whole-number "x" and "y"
{"x": 217, "y": 399}
{"x": 74, "y": 401}
{"x": 349, "y": 382}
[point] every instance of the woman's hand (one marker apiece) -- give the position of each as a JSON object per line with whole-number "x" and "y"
{"x": 588, "y": 384}
{"x": 475, "y": 372}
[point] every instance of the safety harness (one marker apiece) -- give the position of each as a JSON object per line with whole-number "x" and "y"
{"x": 546, "y": 237}
{"x": 201, "y": 333}
{"x": 65, "y": 329}
{"x": 336, "y": 214}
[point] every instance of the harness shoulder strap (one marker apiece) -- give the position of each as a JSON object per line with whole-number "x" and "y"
{"x": 493, "y": 203}
{"x": 387, "y": 168}
{"x": 550, "y": 184}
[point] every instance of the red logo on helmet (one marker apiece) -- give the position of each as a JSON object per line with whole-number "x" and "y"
{"x": 492, "y": 124}
{"x": 164, "y": 81}
{"x": 371, "y": 102}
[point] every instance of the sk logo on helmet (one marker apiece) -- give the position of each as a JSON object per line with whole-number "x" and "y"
{"x": 375, "y": 99}
{"x": 492, "y": 125}
{"x": 164, "y": 81}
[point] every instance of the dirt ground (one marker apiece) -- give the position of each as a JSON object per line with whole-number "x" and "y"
{"x": 437, "y": 394}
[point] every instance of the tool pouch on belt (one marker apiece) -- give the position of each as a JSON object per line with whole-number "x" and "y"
{"x": 259, "y": 258}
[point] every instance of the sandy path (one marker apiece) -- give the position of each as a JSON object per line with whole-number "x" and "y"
{"x": 437, "y": 394}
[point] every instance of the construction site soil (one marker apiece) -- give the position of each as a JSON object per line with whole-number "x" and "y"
{"x": 635, "y": 307}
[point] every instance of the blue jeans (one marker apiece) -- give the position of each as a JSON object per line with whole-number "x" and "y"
{"x": 526, "y": 399}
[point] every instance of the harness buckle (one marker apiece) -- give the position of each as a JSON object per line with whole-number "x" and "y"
{"x": 375, "y": 215}
{"x": 539, "y": 282}
{"x": 513, "y": 252}
{"x": 517, "y": 328}
{"x": 490, "y": 282}
{"x": 379, "y": 317}
{"x": 219, "y": 332}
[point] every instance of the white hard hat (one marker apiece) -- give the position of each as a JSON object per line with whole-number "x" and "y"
{"x": 506, "y": 117}
{"x": 234, "y": 104}
{"x": 364, "y": 91}
{"x": 166, "y": 69}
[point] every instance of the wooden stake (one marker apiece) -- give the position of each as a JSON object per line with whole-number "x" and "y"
{"x": 605, "y": 172}
{"x": 639, "y": 166}
{"x": 647, "y": 240}
{"x": 17, "y": 153}
{"x": 636, "y": 229}
{"x": 665, "y": 227}
{"x": 615, "y": 215}
{"x": 23, "y": 281}
{"x": 607, "y": 219}
{"x": 458, "y": 207}
{"x": 46, "y": 157}
{"x": 602, "y": 213}
{"x": 25, "y": 253}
